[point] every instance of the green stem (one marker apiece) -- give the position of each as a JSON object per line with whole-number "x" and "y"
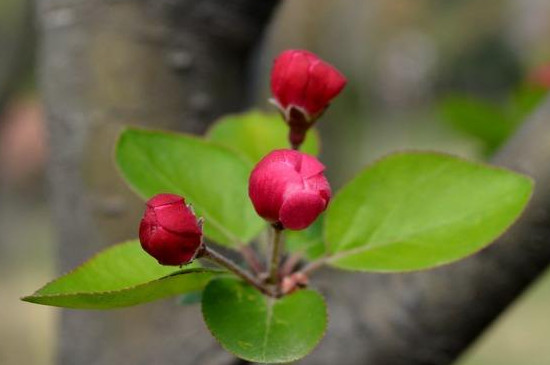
{"x": 275, "y": 255}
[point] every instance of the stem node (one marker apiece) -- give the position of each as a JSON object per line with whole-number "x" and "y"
{"x": 221, "y": 260}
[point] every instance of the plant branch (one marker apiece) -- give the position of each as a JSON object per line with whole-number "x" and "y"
{"x": 314, "y": 266}
{"x": 208, "y": 253}
{"x": 290, "y": 263}
{"x": 431, "y": 317}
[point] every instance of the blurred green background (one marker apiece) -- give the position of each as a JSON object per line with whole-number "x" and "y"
{"x": 455, "y": 75}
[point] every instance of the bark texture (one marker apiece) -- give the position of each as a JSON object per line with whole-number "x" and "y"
{"x": 171, "y": 64}
{"x": 430, "y": 318}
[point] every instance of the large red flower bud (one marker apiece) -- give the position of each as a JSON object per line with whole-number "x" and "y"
{"x": 288, "y": 187}
{"x": 301, "y": 79}
{"x": 169, "y": 230}
{"x": 302, "y": 86}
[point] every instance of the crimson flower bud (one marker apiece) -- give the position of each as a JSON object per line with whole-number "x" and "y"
{"x": 169, "y": 230}
{"x": 302, "y": 86}
{"x": 301, "y": 79}
{"x": 288, "y": 187}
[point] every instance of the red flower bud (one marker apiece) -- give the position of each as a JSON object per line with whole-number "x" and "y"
{"x": 540, "y": 77}
{"x": 302, "y": 80}
{"x": 169, "y": 230}
{"x": 288, "y": 187}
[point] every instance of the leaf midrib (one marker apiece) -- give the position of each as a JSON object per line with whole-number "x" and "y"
{"x": 270, "y": 303}
{"x": 391, "y": 212}
{"x": 176, "y": 275}
{"x": 368, "y": 246}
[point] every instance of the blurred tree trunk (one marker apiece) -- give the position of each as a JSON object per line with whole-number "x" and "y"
{"x": 178, "y": 64}
{"x": 17, "y": 35}
{"x": 431, "y": 317}
{"x": 174, "y": 64}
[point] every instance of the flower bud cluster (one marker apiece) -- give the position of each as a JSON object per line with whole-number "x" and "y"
{"x": 287, "y": 188}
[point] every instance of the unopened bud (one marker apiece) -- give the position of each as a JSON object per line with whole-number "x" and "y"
{"x": 289, "y": 188}
{"x": 302, "y": 86}
{"x": 169, "y": 230}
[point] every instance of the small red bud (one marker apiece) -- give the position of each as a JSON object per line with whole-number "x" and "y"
{"x": 540, "y": 77}
{"x": 288, "y": 187}
{"x": 169, "y": 230}
{"x": 302, "y": 80}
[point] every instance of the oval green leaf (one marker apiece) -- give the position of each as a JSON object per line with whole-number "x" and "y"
{"x": 120, "y": 276}
{"x": 255, "y": 134}
{"x": 420, "y": 210}
{"x": 478, "y": 118}
{"x": 261, "y": 329}
{"x": 211, "y": 177}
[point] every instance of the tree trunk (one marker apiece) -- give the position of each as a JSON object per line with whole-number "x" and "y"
{"x": 171, "y": 64}
{"x": 17, "y": 40}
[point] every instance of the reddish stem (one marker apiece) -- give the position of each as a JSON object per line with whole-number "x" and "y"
{"x": 251, "y": 259}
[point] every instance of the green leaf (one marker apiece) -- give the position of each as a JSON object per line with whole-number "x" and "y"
{"x": 309, "y": 241}
{"x": 261, "y": 329}
{"x": 420, "y": 210}
{"x": 211, "y": 177}
{"x": 255, "y": 134}
{"x": 524, "y": 100}
{"x": 478, "y": 118}
{"x": 121, "y": 275}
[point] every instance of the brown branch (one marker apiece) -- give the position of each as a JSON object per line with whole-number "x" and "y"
{"x": 430, "y": 318}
